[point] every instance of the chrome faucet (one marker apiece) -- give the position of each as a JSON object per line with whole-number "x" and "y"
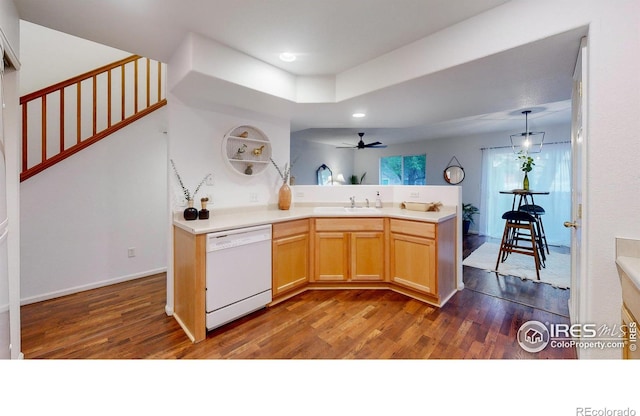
{"x": 353, "y": 201}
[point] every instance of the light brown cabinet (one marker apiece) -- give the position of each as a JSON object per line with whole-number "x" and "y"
{"x": 290, "y": 256}
{"x": 367, "y": 256}
{"x": 411, "y": 257}
{"x": 413, "y": 262}
{"x": 349, "y": 249}
{"x": 189, "y": 270}
{"x": 422, "y": 257}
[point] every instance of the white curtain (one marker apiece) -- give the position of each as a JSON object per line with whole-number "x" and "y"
{"x": 552, "y": 173}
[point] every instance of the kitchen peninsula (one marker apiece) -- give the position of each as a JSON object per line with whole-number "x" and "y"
{"x": 326, "y": 246}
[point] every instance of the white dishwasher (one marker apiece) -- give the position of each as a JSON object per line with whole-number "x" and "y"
{"x": 238, "y": 273}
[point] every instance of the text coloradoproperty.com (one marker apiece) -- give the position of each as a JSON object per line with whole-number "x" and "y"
{"x": 586, "y": 344}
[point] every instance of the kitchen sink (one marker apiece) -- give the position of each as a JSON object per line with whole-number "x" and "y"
{"x": 346, "y": 210}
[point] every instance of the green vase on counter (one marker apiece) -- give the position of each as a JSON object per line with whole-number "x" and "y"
{"x": 525, "y": 182}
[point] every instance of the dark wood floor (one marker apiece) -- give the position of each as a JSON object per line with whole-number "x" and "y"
{"x": 526, "y": 292}
{"x": 127, "y": 320}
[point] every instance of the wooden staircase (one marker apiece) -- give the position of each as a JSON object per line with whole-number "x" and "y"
{"x": 62, "y": 119}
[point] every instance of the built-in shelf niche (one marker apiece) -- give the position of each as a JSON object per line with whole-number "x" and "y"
{"x": 247, "y": 150}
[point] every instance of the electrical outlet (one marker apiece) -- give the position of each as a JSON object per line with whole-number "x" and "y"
{"x": 299, "y": 194}
{"x": 415, "y": 195}
{"x": 210, "y": 181}
{"x": 131, "y": 251}
{"x": 253, "y": 197}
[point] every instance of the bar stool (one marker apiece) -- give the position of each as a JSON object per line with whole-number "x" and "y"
{"x": 537, "y": 211}
{"x": 519, "y": 226}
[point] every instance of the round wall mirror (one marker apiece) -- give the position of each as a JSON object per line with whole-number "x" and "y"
{"x": 454, "y": 175}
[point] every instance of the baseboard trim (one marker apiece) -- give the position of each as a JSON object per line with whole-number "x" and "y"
{"x": 95, "y": 285}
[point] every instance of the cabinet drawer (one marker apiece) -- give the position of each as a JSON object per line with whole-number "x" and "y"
{"x": 417, "y": 228}
{"x": 349, "y": 224}
{"x": 288, "y": 228}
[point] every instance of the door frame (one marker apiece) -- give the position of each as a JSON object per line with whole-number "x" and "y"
{"x": 579, "y": 148}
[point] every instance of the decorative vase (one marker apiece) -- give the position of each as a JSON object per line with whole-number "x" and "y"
{"x": 190, "y": 213}
{"x": 203, "y": 214}
{"x": 525, "y": 182}
{"x": 284, "y": 197}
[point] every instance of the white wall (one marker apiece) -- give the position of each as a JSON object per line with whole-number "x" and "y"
{"x": 63, "y": 55}
{"x": 196, "y": 136}
{"x": 310, "y": 155}
{"x": 80, "y": 216}
{"x": 613, "y": 146}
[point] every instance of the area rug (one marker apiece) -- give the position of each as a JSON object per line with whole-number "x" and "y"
{"x": 557, "y": 271}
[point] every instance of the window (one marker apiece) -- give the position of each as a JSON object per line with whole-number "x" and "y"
{"x": 403, "y": 170}
{"x": 552, "y": 172}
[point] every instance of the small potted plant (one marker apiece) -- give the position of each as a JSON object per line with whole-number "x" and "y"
{"x": 526, "y": 166}
{"x": 468, "y": 211}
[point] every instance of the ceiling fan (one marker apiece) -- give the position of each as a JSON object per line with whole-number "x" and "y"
{"x": 361, "y": 145}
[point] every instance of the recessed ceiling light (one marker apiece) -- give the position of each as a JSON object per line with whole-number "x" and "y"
{"x": 358, "y": 115}
{"x": 287, "y": 57}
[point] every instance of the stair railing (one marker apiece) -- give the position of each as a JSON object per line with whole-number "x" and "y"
{"x": 64, "y": 118}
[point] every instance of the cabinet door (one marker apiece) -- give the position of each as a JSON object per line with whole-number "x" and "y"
{"x": 331, "y": 256}
{"x": 290, "y": 263}
{"x": 367, "y": 256}
{"x": 413, "y": 262}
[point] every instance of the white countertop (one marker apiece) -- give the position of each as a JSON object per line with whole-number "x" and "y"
{"x": 248, "y": 217}
{"x": 631, "y": 266}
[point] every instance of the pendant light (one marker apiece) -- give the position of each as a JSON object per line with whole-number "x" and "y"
{"x": 528, "y": 141}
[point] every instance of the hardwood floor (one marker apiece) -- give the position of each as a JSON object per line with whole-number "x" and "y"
{"x": 526, "y": 292}
{"x": 127, "y": 320}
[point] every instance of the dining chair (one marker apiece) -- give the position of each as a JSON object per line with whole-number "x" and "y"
{"x": 519, "y": 227}
{"x": 537, "y": 211}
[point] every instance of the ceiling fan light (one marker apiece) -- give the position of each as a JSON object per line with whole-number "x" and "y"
{"x": 287, "y": 57}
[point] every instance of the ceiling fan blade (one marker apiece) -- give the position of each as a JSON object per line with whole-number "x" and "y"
{"x": 361, "y": 144}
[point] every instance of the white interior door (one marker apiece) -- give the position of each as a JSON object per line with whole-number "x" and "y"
{"x": 578, "y": 188}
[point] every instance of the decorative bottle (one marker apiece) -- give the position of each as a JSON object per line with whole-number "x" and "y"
{"x": 203, "y": 214}
{"x": 525, "y": 182}
{"x": 378, "y": 200}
